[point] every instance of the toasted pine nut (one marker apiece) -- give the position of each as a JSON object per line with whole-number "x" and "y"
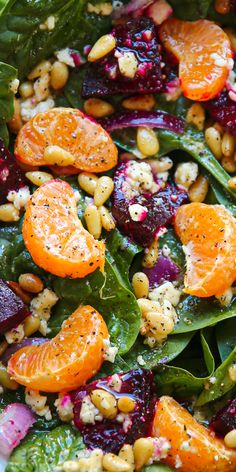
{"x": 3, "y": 347}
{"x": 98, "y": 108}
{"x": 38, "y": 178}
{"x": 102, "y": 47}
{"x": 5, "y": 379}
{"x": 222, "y": 6}
{"x": 41, "y": 87}
{"x": 218, "y": 127}
{"x": 59, "y": 156}
{"x": 9, "y": 213}
{"x": 41, "y": 69}
{"x": 213, "y": 140}
{"x": 103, "y": 190}
{"x": 26, "y": 89}
{"x": 59, "y": 75}
{"x": 16, "y": 123}
{"x": 25, "y": 297}
{"x": 151, "y": 254}
{"x": 147, "y": 305}
{"x": 232, "y": 183}
{"x": 160, "y": 165}
{"x": 105, "y": 402}
{"x": 126, "y": 404}
{"x": 196, "y": 115}
{"x": 147, "y": 141}
{"x": 198, "y": 190}
{"x": 126, "y": 453}
{"x": 186, "y": 173}
{"x": 228, "y": 144}
{"x": 232, "y": 372}
{"x": 159, "y": 324}
{"x": 229, "y": 164}
{"x": 140, "y": 285}
{"x": 113, "y": 463}
{"x": 107, "y": 219}
{"x": 128, "y": 64}
{"x": 88, "y": 182}
{"x": 31, "y": 325}
{"x": 31, "y": 283}
{"x": 93, "y": 221}
{"x": 139, "y": 102}
{"x": 232, "y": 37}
{"x": 143, "y": 450}
{"x": 230, "y": 439}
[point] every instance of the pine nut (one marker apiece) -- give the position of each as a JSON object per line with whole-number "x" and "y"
{"x": 151, "y": 254}
{"x": 186, "y": 173}
{"x": 126, "y": 404}
{"x": 228, "y": 144}
{"x": 128, "y": 64}
{"x": 31, "y": 283}
{"x": 3, "y": 347}
{"x": 93, "y": 221}
{"x": 198, "y": 190}
{"x": 41, "y": 69}
{"x": 230, "y": 439}
{"x": 59, "y": 75}
{"x": 41, "y": 87}
{"x": 218, "y": 127}
{"x": 213, "y": 140}
{"x": 126, "y": 453}
{"x": 159, "y": 325}
{"x": 25, "y": 297}
{"x": 147, "y": 305}
{"x": 147, "y": 141}
{"x": 196, "y": 115}
{"x": 102, "y": 47}
{"x": 143, "y": 450}
{"x": 59, "y": 156}
{"x": 232, "y": 37}
{"x": 31, "y": 325}
{"x": 139, "y": 102}
{"x": 160, "y": 165}
{"x": 232, "y": 183}
{"x": 222, "y": 6}
{"x": 105, "y": 402}
{"x": 88, "y": 182}
{"x": 26, "y": 89}
{"x": 103, "y": 190}
{"x": 98, "y": 108}
{"x": 229, "y": 164}
{"x": 9, "y": 213}
{"x": 38, "y": 178}
{"x": 16, "y": 123}
{"x": 107, "y": 219}
{"x": 113, "y": 463}
{"x": 5, "y": 379}
{"x": 72, "y": 466}
{"x": 140, "y": 285}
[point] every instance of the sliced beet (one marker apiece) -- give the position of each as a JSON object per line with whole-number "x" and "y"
{"x": 161, "y": 207}
{"x": 11, "y": 175}
{"x": 137, "y": 36}
{"x": 109, "y": 435}
{"x": 223, "y": 110}
{"x": 164, "y": 270}
{"x": 225, "y": 419}
{"x": 12, "y": 310}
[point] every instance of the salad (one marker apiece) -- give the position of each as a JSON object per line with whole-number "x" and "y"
{"x": 117, "y": 236}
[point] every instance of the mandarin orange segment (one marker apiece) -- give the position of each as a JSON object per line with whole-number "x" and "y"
{"x": 66, "y": 361}
{"x": 208, "y": 233}
{"x": 54, "y": 235}
{"x": 193, "y": 447}
{"x": 69, "y": 128}
{"x": 204, "y": 54}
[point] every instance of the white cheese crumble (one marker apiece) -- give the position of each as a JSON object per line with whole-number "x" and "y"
{"x": 64, "y": 55}
{"x": 109, "y": 351}
{"x": 139, "y": 178}
{"x": 64, "y": 407}
{"x": 89, "y": 413}
{"x": 115, "y": 383}
{"x": 166, "y": 291}
{"x": 126, "y": 421}
{"x": 41, "y": 306}
{"x": 19, "y": 198}
{"x": 13, "y": 85}
{"x": 140, "y": 360}
{"x": 38, "y": 403}
{"x": 30, "y": 107}
{"x": 88, "y": 461}
{"x": 49, "y": 24}
{"x": 103, "y": 9}
{"x": 138, "y": 212}
{"x": 15, "y": 335}
{"x": 186, "y": 174}
{"x": 128, "y": 64}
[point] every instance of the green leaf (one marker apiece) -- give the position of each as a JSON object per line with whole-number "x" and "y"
{"x": 190, "y": 9}
{"x": 157, "y": 468}
{"x": 176, "y": 249}
{"x": 226, "y": 337}
{"x": 7, "y": 74}
{"x": 43, "y": 452}
{"x": 208, "y": 356}
{"x": 73, "y": 88}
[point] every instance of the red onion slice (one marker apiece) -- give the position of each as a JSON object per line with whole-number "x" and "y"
{"x": 15, "y": 347}
{"x": 152, "y": 119}
{"x": 15, "y": 421}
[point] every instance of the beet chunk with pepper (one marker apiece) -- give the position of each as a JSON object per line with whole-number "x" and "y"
{"x": 11, "y": 175}
{"x": 12, "y": 309}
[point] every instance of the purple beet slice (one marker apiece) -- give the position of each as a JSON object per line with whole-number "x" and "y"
{"x": 160, "y": 207}
{"x": 11, "y": 175}
{"x": 110, "y": 434}
{"x": 164, "y": 270}
{"x": 223, "y": 110}
{"x": 137, "y": 36}
{"x": 225, "y": 419}
{"x": 12, "y": 309}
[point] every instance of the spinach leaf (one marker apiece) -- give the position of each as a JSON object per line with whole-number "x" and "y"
{"x": 220, "y": 195}
{"x": 176, "y": 249}
{"x": 190, "y": 9}
{"x": 207, "y": 354}
{"x": 43, "y": 452}
{"x": 7, "y": 74}
{"x": 73, "y": 88}
{"x": 226, "y": 337}
{"x": 157, "y": 468}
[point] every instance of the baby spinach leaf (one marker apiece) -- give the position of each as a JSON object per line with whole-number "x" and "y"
{"x": 171, "y": 380}
{"x": 207, "y": 354}
{"x": 220, "y": 195}
{"x": 46, "y": 451}
{"x": 73, "y": 88}
{"x": 226, "y": 337}
{"x": 157, "y": 468}
{"x": 7, "y": 74}
{"x": 190, "y": 9}
{"x": 176, "y": 249}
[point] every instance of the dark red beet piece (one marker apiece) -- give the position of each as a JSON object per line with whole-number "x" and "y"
{"x": 225, "y": 419}
{"x": 223, "y": 110}
{"x": 137, "y": 36}
{"x": 109, "y": 435}
{"x": 11, "y": 175}
{"x": 233, "y": 6}
{"x": 12, "y": 310}
{"x": 161, "y": 207}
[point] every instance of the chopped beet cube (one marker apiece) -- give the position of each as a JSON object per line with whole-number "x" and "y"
{"x": 12, "y": 310}
{"x": 159, "y": 204}
{"x": 225, "y": 419}
{"x": 11, "y": 175}
{"x": 223, "y": 110}
{"x": 110, "y": 434}
{"x": 138, "y": 38}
